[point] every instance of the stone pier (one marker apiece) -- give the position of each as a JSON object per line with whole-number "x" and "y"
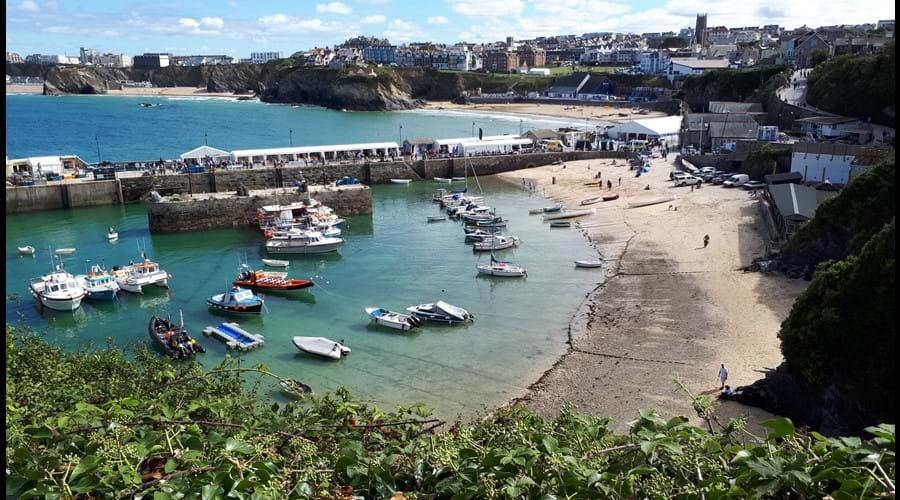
{"x": 179, "y": 213}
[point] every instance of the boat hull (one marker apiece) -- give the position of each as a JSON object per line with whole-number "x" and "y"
{"x": 69, "y": 304}
{"x": 290, "y": 285}
{"x": 26, "y": 250}
{"x": 276, "y": 263}
{"x": 503, "y": 273}
{"x": 568, "y": 215}
{"x": 303, "y": 250}
{"x": 588, "y": 264}
{"x": 234, "y": 309}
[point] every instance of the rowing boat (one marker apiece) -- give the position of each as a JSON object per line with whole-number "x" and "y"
{"x": 568, "y": 214}
{"x": 588, "y": 263}
{"x": 276, "y": 263}
{"x": 654, "y": 201}
{"x": 401, "y": 181}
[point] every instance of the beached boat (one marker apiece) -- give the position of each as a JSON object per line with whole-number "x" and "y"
{"x": 611, "y": 197}
{"x": 554, "y": 208}
{"x": 276, "y": 263}
{"x": 591, "y": 201}
{"x": 304, "y": 242}
{"x": 26, "y": 250}
{"x": 401, "y": 181}
{"x": 502, "y": 268}
{"x": 588, "y": 263}
{"x": 437, "y": 218}
{"x": 173, "y": 339}
{"x": 320, "y": 346}
{"x": 445, "y": 180}
{"x": 535, "y": 211}
{"x": 235, "y": 337}
{"x": 569, "y": 214}
{"x": 392, "y": 319}
{"x": 560, "y": 224}
{"x": 441, "y": 312}
{"x": 133, "y": 277}
{"x": 457, "y": 179}
{"x": 496, "y": 242}
{"x": 58, "y": 290}
{"x": 652, "y": 201}
{"x": 236, "y": 300}
{"x": 65, "y": 251}
{"x": 265, "y": 280}
{"x": 111, "y": 234}
{"x": 592, "y": 184}
{"x": 295, "y": 387}
{"x": 99, "y": 284}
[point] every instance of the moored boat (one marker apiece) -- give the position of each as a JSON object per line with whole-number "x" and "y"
{"x": 320, "y": 346}
{"x": 303, "y": 242}
{"x": 560, "y": 224}
{"x": 568, "y": 214}
{"x": 502, "y": 269}
{"x": 133, "y": 277}
{"x": 276, "y": 263}
{"x": 457, "y": 179}
{"x": 295, "y": 387}
{"x": 265, "y": 280}
{"x": 496, "y": 242}
{"x": 99, "y": 284}
{"x": 65, "y": 251}
{"x": 588, "y": 263}
{"x": 58, "y": 290}
{"x": 441, "y": 312}
{"x": 401, "y": 181}
{"x": 111, "y": 234}
{"x": 392, "y": 319}
{"x": 26, "y": 250}
{"x": 236, "y": 300}
{"x": 173, "y": 339}
{"x": 443, "y": 179}
{"x": 235, "y": 337}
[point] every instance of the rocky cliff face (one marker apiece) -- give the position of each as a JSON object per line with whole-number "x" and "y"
{"x": 81, "y": 80}
{"x": 338, "y": 90}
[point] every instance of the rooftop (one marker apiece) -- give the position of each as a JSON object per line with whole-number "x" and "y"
{"x": 695, "y": 63}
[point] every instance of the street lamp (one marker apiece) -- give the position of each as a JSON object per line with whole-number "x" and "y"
{"x": 97, "y": 140}
{"x": 291, "y": 133}
{"x": 473, "y": 129}
{"x": 401, "y": 134}
{"x": 205, "y": 141}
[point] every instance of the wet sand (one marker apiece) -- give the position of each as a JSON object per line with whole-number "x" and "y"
{"x": 605, "y": 113}
{"x": 669, "y": 308}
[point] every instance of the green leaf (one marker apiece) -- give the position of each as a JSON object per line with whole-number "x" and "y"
{"x": 171, "y": 465}
{"x": 211, "y": 491}
{"x": 86, "y": 464}
{"x": 550, "y": 443}
{"x": 161, "y": 495}
{"x": 235, "y": 446}
{"x": 885, "y": 431}
{"x": 641, "y": 470}
{"x": 780, "y": 427}
{"x": 40, "y": 431}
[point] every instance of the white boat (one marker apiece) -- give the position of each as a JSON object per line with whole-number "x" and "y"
{"x": 392, "y": 319}
{"x": 134, "y": 277}
{"x": 496, "y": 242}
{"x": 440, "y": 312}
{"x": 554, "y": 208}
{"x": 58, "y": 291}
{"x": 479, "y": 235}
{"x": 591, "y": 201}
{"x": 26, "y": 250}
{"x": 569, "y": 214}
{"x": 588, "y": 263}
{"x": 276, "y": 263}
{"x": 502, "y": 268}
{"x": 457, "y": 179}
{"x": 653, "y": 201}
{"x": 401, "y": 181}
{"x": 304, "y": 242}
{"x": 99, "y": 284}
{"x": 65, "y": 251}
{"x": 443, "y": 179}
{"x": 534, "y": 211}
{"x": 320, "y": 346}
{"x": 112, "y": 234}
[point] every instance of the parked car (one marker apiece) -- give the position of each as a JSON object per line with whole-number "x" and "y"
{"x": 707, "y": 170}
{"x": 737, "y": 180}
{"x": 719, "y": 179}
{"x": 688, "y": 180}
{"x": 675, "y": 175}
{"x": 754, "y": 185}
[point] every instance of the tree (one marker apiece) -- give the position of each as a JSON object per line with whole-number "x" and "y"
{"x": 819, "y": 56}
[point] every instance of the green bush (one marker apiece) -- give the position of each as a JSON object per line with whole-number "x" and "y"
{"x": 856, "y": 86}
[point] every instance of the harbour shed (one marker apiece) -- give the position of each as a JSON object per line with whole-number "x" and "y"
{"x": 336, "y": 152}
{"x": 794, "y": 206}
{"x": 663, "y": 129}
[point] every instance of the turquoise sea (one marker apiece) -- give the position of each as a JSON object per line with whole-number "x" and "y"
{"x": 391, "y": 259}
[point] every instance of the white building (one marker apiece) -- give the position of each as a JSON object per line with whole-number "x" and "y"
{"x": 113, "y": 60}
{"x": 818, "y": 162}
{"x": 459, "y": 57}
{"x": 264, "y": 57}
{"x": 654, "y": 62}
{"x": 663, "y": 129}
{"x": 680, "y": 68}
{"x": 496, "y": 146}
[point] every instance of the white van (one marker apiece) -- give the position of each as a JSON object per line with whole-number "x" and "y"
{"x": 736, "y": 180}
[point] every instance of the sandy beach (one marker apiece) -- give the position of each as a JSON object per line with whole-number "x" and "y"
{"x": 606, "y": 113}
{"x": 670, "y": 308}
{"x": 24, "y": 89}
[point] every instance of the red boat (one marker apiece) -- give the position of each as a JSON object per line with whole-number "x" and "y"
{"x": 272, "y": 281}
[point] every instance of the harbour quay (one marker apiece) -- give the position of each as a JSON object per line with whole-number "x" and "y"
{"x": 198, "y": 212}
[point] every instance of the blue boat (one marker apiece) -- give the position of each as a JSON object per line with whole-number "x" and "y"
{"x": 236, "y": 300}
{"x": 234, "y": 336}
{"x": 99, "y": 284}
{"x": 463, "y": 190}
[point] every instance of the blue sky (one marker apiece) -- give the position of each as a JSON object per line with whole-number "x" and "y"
{"x": 237, "y": 27}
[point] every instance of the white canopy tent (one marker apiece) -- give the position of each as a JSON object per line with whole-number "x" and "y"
{"x": 44, "y": 165}
{"x": 665, "y": 129}
{"x": 204, "y": 152}
{"x": 330, "y": 152}
{"x": 496, "y": 146}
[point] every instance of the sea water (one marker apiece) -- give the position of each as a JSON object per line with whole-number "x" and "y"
{"x": 391, "y": 259}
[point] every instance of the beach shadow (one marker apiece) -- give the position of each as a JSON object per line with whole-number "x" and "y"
{"x": 711, "y": 391}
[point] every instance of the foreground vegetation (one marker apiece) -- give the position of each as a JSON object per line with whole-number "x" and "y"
{"x": 96, "y": 424}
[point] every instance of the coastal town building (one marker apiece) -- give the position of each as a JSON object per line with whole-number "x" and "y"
{"x": 264, "y": 57}
{"x": 201, "y": 60}
{"x": 501, "y": 60}
{"x": 681, "y": 68}
{"x": 14, "y": 57}
{"x": 380, "y": 52}
{"x": 151, "y": 60}
{"x": 834, "y": 128}
{"x": 50, "y": 59}
{"x": 88, "y": 56}
{"x": 797, "y": 51}
{"x": 308, "y": 154}
{"x": 710, "y": 132}
{"x": 113, "y": 60}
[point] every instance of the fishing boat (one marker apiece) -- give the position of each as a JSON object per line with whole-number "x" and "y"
{"x": 588, "y": 263}
{"x": 134, "y": 277}
{"x": 295, "y": 387}
{"x": 401, "y": 181}
{"x": 554, "y": 208}
{"x": 382, "y": 316}
{"x": 58, "y": 290}
{"x": 443, "y": 179}
{"x": 266, "y": 280}
{"x": 496, "y": 242}
{"x": 65, "y": 251}
{"x": 437, "y": 218}
{"x": 569, "y": 214}
{"x": 441, "y": 312}
{"x": 591, "y": 201}
{"x": 560, "y": 224}
{"x": 99, "y": 284}
{"x": 111, "y": 234}
{"x": 276, "y": 263}
{"x": 534, "y": 211}
{"x": 173, "y": 339}
{"x": 26, "y": 250}
{"x": 611, "y": 197}
{"x": 304, "y": 242}
{"x": 320, "y": 346}
{"x": 236, "y": 300}
{"x": 502, "y": 268}
{"x": 235, "y": 337}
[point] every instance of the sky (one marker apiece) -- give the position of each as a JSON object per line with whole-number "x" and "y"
{"x": 238, "y": 27}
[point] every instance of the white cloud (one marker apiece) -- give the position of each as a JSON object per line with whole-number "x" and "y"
{"x": 215, "y": 23}
{"x": 375, "y": 2}
{"x": 281, "y": 23}
{"x": 333, "y": 8}
{"x": 403, "y": 30}
{"x": 189, "y": 25}
{"x": 486, "y": 7}
{"x": 438, "y": 20}
{"x": 187, "y": 22}
{"x": 29, "y": 6}
{"x": 376, "y": 19}
{"x": 274, "y": 19}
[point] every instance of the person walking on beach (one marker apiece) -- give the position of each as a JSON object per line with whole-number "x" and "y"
{"x": 620, "y": 181}
{"x": 609, "y": 184}
{"x": 723, "y": 375}
{"x": 706, "y": 244}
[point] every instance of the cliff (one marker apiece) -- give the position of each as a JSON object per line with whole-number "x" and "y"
{"x": 339, "y": 90}
{"x": 726, "y": 85}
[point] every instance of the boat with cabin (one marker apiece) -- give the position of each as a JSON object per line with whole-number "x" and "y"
{"x": 99, "y": 284}
{"x": 502, "y": 269}
{"x": 495, "y": 242}
{"x": 303, "y": 242}
{"x": 134, "y": 277}
{"x": 58, "y": 290}
{"x": 441, "y": 312}
{"x": 236, "y": 300}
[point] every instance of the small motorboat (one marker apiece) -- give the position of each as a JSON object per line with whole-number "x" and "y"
{"x": 496, "y": 223}
{"x": 437, "y": 218}
{"x": 295, "y": 387}
{"x": 401, "y": 181}
{"x": 443, "y": 179}
{"x": 560, "y": 224}
{"x": 26, "y": 250}
{"x": 588, "y": 263}
{"x": 611, "y": 197}
{"x": 535, "y": 211}
{"x": 65, "y": 251}
{"x": 320, "y": 346}
{"x": 568, "y": 214}
{"x": 502, "y": 268}
{"x": 591, "y": 201}
{"x": 276, "y": 263}
{"x": 235, "y": 337}
{"x": 496, "y": 242}
{"x": 304, "y": 242}
{"x": 112, "y": 234}
{"x": 554, "y": 208}
{"x": 392, "y": 319}
{"x": 479, "y": 235}
{"x": 236, "y": 300}
{"x": 58, "y": 290}
{"x": 441, "y": 312}
{"x": 173, "y": 339}
{"x": 457, "y": 179}
{"x": 265, "y": 280}
{"x": 99, "y": 284}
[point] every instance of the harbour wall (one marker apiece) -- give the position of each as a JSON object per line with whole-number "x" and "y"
{"x": 180, "y": 214}
{"x": 132, "y": 189}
